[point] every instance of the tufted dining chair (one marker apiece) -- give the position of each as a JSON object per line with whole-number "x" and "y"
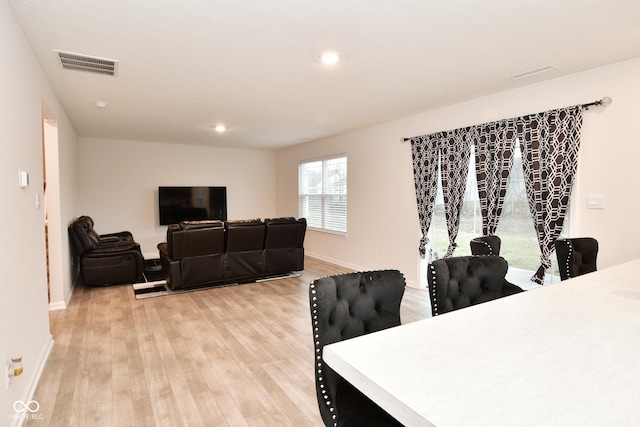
{"x": 485, "y": 245}
{"x": 342, "y": 307}
{"x": 459, "y": 282}
{"x": 576, "y": 256}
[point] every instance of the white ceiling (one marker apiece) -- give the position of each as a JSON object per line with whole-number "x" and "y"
{"x": 185, "y": 66}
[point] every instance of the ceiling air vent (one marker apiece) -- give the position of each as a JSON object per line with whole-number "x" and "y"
{"x": 532, "y": 73}
{"x": 90, "y": 64}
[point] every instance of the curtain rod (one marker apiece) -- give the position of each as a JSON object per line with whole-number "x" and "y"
{"x": 604, "y": 101}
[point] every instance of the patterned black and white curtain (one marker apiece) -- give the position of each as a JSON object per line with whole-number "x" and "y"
{"x": 452, "y": 149}
{"x": 494, "y": 158}
{"x": 549, "y": 142}
{"x": 454, "y": 161}
{"x": 425, "y": 152}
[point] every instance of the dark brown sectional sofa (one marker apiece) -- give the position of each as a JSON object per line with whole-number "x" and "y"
{"x": 201, "y": 253}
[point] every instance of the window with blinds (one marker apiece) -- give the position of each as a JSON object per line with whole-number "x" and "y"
{"x": 322, "y": 193}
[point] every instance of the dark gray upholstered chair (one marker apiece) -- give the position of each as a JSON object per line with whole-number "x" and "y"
{"x": 459, "y": 282}
{"x": 485, "y": 245}
{"x": 342, "y": 307}
{"x": 576, "y": 256}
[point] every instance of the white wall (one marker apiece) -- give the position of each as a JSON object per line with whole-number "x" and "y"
{"x": 119, "y": 182}
{"x": 380, "y": 195}
{"x": 24, "y": 317}
{"x": 382, "y": 214}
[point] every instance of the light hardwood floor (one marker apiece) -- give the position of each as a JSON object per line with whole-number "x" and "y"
{"x": 233, "y": 356}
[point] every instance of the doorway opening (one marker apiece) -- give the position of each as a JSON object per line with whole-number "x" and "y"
{"x": 52, "y": 212}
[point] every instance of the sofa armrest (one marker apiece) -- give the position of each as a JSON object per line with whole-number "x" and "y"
{"x": 114, "y": 249}
{"x": 110, "y": 238}
{"x": 110, "y": 267}
{"x": 171, "y": 269}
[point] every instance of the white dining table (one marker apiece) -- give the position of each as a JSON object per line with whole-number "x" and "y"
{"x": 565, "y": 354}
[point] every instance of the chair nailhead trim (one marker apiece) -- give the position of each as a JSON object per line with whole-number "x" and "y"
{"x": 316, "y": 340}
{"x": 434, "y": 301}
{"x": 567, "y": 265}
{"x": 570, "y": 246}
{"x": 479, "y": 240}
{"x": 316, "y": 332}
{"x": 488, "y": 247}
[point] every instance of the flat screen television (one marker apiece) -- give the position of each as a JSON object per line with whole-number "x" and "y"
{"x": 191, "y": 204}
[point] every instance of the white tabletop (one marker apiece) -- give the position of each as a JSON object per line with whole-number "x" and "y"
{"x": 566, "y": 354}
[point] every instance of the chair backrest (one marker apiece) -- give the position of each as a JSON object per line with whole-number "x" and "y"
{"x": 283, "y": 240}
{"x": 83, "y": 235}
{"x": 459, "y": 282}
{"x": 281, "y": 233}
{"x": 576, "y": 256}
{"x": 88, "y": 219}
{"x": 244, "y": 235}
{"x": 302, "y": 230}
{"x": 195, "y": 238}
{"x": 244, "y": 250}
{"x": 346, "y": 306}
{"x": 485, "y": 245}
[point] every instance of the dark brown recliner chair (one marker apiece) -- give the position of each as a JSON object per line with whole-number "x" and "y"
{"x": 576, "y": 256}
{"x": 243, "y": 258}
{"x": 87, "y": 225}
{"x": 193, "y": 254}
{"x": 459, "y": 282}
{"x": 342, "y": 307}
{"x": 105, "y": 259}
{"x": 282, "y": 246}
{"x": 485, "y": 245}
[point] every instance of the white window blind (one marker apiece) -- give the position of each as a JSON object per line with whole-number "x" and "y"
{"x": 322, "y": 191}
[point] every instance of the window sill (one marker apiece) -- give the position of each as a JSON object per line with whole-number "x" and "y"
{"x": 325, "y": 231}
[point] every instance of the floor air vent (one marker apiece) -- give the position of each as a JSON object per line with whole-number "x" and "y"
{"x": 90, "y": 64}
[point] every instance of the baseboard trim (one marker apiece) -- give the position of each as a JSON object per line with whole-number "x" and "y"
{"x": 62, "y": 305}
{"x": 410, "y": 283}
{"x": 335, "y": 261}
{"x": 39, "y": 369}
{"x": 53, "y": 306}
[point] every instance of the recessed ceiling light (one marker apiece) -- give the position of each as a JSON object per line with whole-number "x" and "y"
{"x": 101, "y": 104}
{"x": 330, "y": 58}
{"x": 220, "y": 128}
